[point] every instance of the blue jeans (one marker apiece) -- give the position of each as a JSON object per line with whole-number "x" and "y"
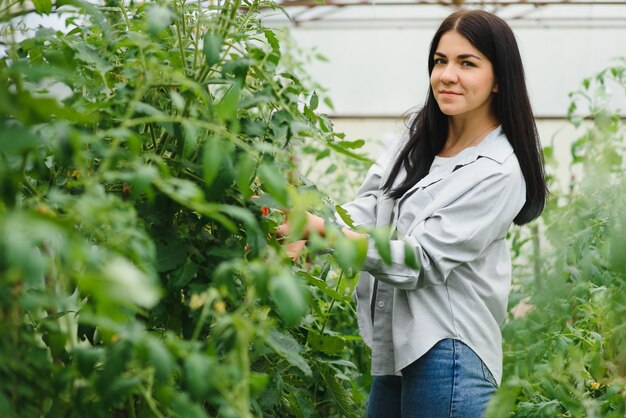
{"x": 450, "y": 381}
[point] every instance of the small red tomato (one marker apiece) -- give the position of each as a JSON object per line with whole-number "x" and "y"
{"x": 265, "y": 211}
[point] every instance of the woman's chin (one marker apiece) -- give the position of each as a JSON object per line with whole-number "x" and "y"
{"x": 449, "y": 111}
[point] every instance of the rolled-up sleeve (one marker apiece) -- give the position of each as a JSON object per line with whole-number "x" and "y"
{"x": 362, "y": 209}
{"x": 453, "y": 234}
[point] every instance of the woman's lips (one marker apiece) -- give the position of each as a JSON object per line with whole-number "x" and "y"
{"x": 449, "y": 93}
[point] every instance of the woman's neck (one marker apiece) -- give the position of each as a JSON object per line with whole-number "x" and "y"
{"x": 465, "y": 133}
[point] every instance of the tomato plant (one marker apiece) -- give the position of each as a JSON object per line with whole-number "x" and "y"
{"x": 146, "y": 152}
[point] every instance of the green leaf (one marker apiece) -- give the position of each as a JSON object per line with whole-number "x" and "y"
{"x": 340, "y": 395}
{"x": 121, "y": 282}
{"x": 198, "y": 368}
{"x": 617, "y": 241}
{"x": 612, "y": 157}
{"x": 352, "y": 144}
{"x": 327, "y": 344}
{"x": 323, "y": 154}
{"x": 410, "y": 259}
{"x": 272, "y": 40}
{"x": 301, "y": 403}
{"x": 238, "y": 67}
{"x": 160, "y": 358}
{"x": 383, "y": 245}
{"x": 90, "y": 55}
{"x": 212, "y": 158}
{"x": 310, "y": 114}
{"x": 297, "y": 222}
{"x": 345, "y": 216}
{"x": 272, "y": 393}
{"x": 56, "y": 340}
{"x": 31, "y": 109}
{"x": 181, "y": 190}
{"x": 289, "y": 349}
{"x": 170, "y": 254}
{"x": 346, "y": 253}
{"x": 43, "y": 6}
{"x": 240, "y": 213}
{"x": 158, "y": 18}
{"x": 344, "y": 151}
{"x": 227, "y": 107}
{"x": 140, "y": 179}
{"x": 314, "y": 102}
{"x": 212, "y": 48}
{"x": 279, "y": 124}
{"x": 503, "y": 403}
{"x": 361, "y": 246}
{"x": 15, "y": 139}
{"x": 274, "y": 182}
{"x": 245, "y": 172}
{"x": 288, "y": 296}
{"x": 329, "y": 103}
{"x": 323, "y": 286}
{"x": 258, "y": 382}
{"x": 120, "y": 388}
{"x": 87, "y": 358}
{"x": 177, "y": 100}
{"x": 183, "y": 407}
{"x": 148, "y": 109}
{"x": 265, "y": 201}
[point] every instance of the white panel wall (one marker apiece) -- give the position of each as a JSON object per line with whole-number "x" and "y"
{"x": 384, "y": 71}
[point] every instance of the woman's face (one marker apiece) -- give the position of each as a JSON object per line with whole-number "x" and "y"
{"x": 462, "y": 78}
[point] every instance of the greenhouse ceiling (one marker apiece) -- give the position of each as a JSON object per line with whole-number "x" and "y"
{"x": 346, "y": 14}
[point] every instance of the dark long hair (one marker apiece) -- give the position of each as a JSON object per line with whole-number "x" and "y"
{"x": 429, "y": 128}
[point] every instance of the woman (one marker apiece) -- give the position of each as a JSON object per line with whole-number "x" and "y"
{"x": 471, "y": 166}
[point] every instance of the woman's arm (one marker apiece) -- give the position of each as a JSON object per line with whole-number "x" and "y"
{"x": 451, "y": 235}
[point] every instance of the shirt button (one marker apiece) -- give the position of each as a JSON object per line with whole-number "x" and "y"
{"x": 381, "y": 304}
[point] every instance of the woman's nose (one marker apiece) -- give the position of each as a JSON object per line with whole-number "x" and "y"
{"x": 449, "y": 74}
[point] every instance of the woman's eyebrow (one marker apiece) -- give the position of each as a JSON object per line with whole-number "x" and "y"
{"x": 462, "y": 56}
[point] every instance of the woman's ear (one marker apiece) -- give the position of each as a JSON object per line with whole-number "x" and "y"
{"x": 495, "y": 88}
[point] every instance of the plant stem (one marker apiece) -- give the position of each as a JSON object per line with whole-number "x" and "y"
{"x": 203, "y": 316}
{"x": 213, "y": 127}
{"x": 180, "y": 47}
{"x": 150, "y": 401}
{"x": 206, "y": 74}
{"x": 9, "y": 6}
{"x": 131, "y": 404}
{"x": 154, "y": 142}
{"x": 332, "y": 303}
{"x": 197, "y": 37}
{"x": 143, "y": 58}
{"x": 536, "y": 256}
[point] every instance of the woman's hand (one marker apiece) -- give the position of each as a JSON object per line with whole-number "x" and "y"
{"x": 313, "y": 223}
{"x": 294, "y": 249}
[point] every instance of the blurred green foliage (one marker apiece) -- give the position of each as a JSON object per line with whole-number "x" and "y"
{"x": 565, "y": 341}
{"x": 145, "y": 154}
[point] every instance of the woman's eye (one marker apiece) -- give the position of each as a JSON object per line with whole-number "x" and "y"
{"x": 439, "y": 61}
{"x": 467, "y": 64}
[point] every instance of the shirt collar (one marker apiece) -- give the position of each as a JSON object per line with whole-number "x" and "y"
{"x": 495, "y": 146}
